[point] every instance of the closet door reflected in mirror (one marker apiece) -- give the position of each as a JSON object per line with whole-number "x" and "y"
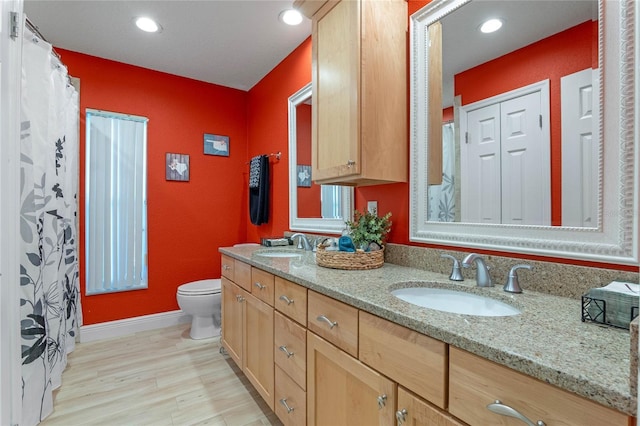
{"x": 312, "y": 208}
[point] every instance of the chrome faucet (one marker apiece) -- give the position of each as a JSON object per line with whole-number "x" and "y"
{"x": 483, "y": 279}
{"x": 303, "y": 241}
{"x": 513, "y": 285}
{"x": 456, "y": 273}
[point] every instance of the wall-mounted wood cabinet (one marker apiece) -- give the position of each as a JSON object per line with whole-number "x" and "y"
{"x": 359, "y": 131}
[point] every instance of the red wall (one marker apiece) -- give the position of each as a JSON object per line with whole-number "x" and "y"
{"x": 187, "y": 221}
{"x": 551, "y": 58}
{"x": 267, "y": 116}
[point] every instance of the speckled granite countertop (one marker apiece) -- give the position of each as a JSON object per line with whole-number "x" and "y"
{"x": 546, "y": 341}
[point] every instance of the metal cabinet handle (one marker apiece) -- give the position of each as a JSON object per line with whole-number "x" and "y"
{"x": 260, "y": 286}
{"x": 226, "y": 267}
{"x": 351, "y": 163}
{"x": 382, "y": 401}
{"x": 327, "y": 320}
{"x": 283, "y": 401}
{"x": 286, "y": 299}
{"x": 504, "y": 410}
{"x": 284, "y": 349}
{"x": 401, "y": 416}
{"x": 239, "y": 298}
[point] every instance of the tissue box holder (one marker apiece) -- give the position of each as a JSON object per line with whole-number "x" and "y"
{"x": 608, "y": 308}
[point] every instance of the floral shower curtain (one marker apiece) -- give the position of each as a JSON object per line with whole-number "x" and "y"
{"x": 49, "y": 291}
{"x": 442, "y": 198}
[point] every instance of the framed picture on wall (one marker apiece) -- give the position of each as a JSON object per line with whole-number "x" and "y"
{"x": 177, "y": 167}
{"x": 216, "y": 145}
{"x": 304, "y": 176}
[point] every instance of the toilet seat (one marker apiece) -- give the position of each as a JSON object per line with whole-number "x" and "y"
{"x": 199, "y": 288}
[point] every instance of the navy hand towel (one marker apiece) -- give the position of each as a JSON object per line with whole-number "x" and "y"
{"x": 259, "y": 194}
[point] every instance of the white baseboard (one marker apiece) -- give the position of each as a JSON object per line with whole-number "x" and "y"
{"x": 107, "y": 330}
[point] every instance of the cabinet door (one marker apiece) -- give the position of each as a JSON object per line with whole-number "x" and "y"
{"x": 336, "y": 70}
{"x": 413, "y": 411}
{"x": 343, "y": 391}
{"x": 233, "y": 300}
{"x": 258, "y": 343}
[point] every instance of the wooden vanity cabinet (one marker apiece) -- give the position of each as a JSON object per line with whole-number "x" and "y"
{"x": 414, "y": 360}
{"x": 247, "y": 328}
{"x": 413, "y": 411}
{"x": 334, "y": 321}
{"x": 290, "y": 352}
{"x": 475, "y": 382}
{"x": 343, "y": 391}
{"x": 359, "y": 115}
{"x": 232, "y": 306}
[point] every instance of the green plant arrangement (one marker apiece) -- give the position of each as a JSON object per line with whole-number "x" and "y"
{"x": 367, "y": 228}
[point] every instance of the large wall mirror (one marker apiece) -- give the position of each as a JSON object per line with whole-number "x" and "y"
{"x": 312, "y": 208}
{"x": 517, "y": 143}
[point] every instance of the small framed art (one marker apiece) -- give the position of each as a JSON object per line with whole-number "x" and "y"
{"x": 177, "y": 167}
{"x": 304, "y": 176}
{"x": 216, "y": 145}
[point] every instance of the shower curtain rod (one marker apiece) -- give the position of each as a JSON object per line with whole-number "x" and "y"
{"x": 37, "y": 32}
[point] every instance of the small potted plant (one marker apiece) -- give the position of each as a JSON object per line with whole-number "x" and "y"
{"x": 369, "y": 231}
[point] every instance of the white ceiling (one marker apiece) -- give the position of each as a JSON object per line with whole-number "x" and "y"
{"x": 232, "y": 43}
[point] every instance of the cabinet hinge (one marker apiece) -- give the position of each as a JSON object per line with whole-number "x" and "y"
{"x": 540, "y": 117}
{"x": 14, "y": 24}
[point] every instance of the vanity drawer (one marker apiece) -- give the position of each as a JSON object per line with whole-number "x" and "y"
{"x": 475, "y": 382}
{"x": 262, "y": 285}
{"x": 227, "y": 267}
{"x": 412, "y": 359}
{"x": 334, "y": 321}
{"x": 291, "y": 300}
{"x": 242, "y": 274}
{"x": 290, "y": 348}
{"x": 289, "y": 394}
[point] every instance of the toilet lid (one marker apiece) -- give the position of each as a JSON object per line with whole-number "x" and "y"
{"x": 211, "y": 286}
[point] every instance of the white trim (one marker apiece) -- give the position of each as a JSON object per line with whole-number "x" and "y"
{"x": 615, "y": 240}
{"x": 119, "y": 328}
{"x": 10, "y": 78}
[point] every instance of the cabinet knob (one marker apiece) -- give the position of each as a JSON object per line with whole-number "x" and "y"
{"x": 226, "y": 267}
{"x": 401, "y": 416}
{"x": 351, "y": 163}
{"x": 382, "y": 401}
{"x": 239, "y": 298}
{"x": 327, "y": 320}
{"x": 504, "y": 410}
{"x": 286, "y": 300}
{"x": 283, "y": 401}
{"x": 284, "y": 349}
{"x": 260, "y": 286}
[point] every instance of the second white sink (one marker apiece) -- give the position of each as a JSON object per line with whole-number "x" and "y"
{"x": 457, "y": 302}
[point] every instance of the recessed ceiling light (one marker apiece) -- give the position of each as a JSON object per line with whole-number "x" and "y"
{"x": 491, "y": 25}
{"x": 290, "y": 17}
{"x": 148, "y": 25}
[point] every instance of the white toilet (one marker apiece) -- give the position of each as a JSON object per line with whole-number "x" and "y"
{"x": 201, "y": 299}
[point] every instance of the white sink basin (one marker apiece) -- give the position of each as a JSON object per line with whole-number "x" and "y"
{"x": 278, "y": 254}
{"x": 457, "y": 302}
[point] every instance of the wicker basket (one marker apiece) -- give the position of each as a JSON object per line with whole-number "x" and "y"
{"x": 359, "y": 260}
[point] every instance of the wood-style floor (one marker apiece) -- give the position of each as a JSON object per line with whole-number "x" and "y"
{"x": 158, "y": 377}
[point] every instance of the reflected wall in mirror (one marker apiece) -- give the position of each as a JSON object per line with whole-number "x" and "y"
{"x": 527, "y": 164}
{"x": 312, "y": 208}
